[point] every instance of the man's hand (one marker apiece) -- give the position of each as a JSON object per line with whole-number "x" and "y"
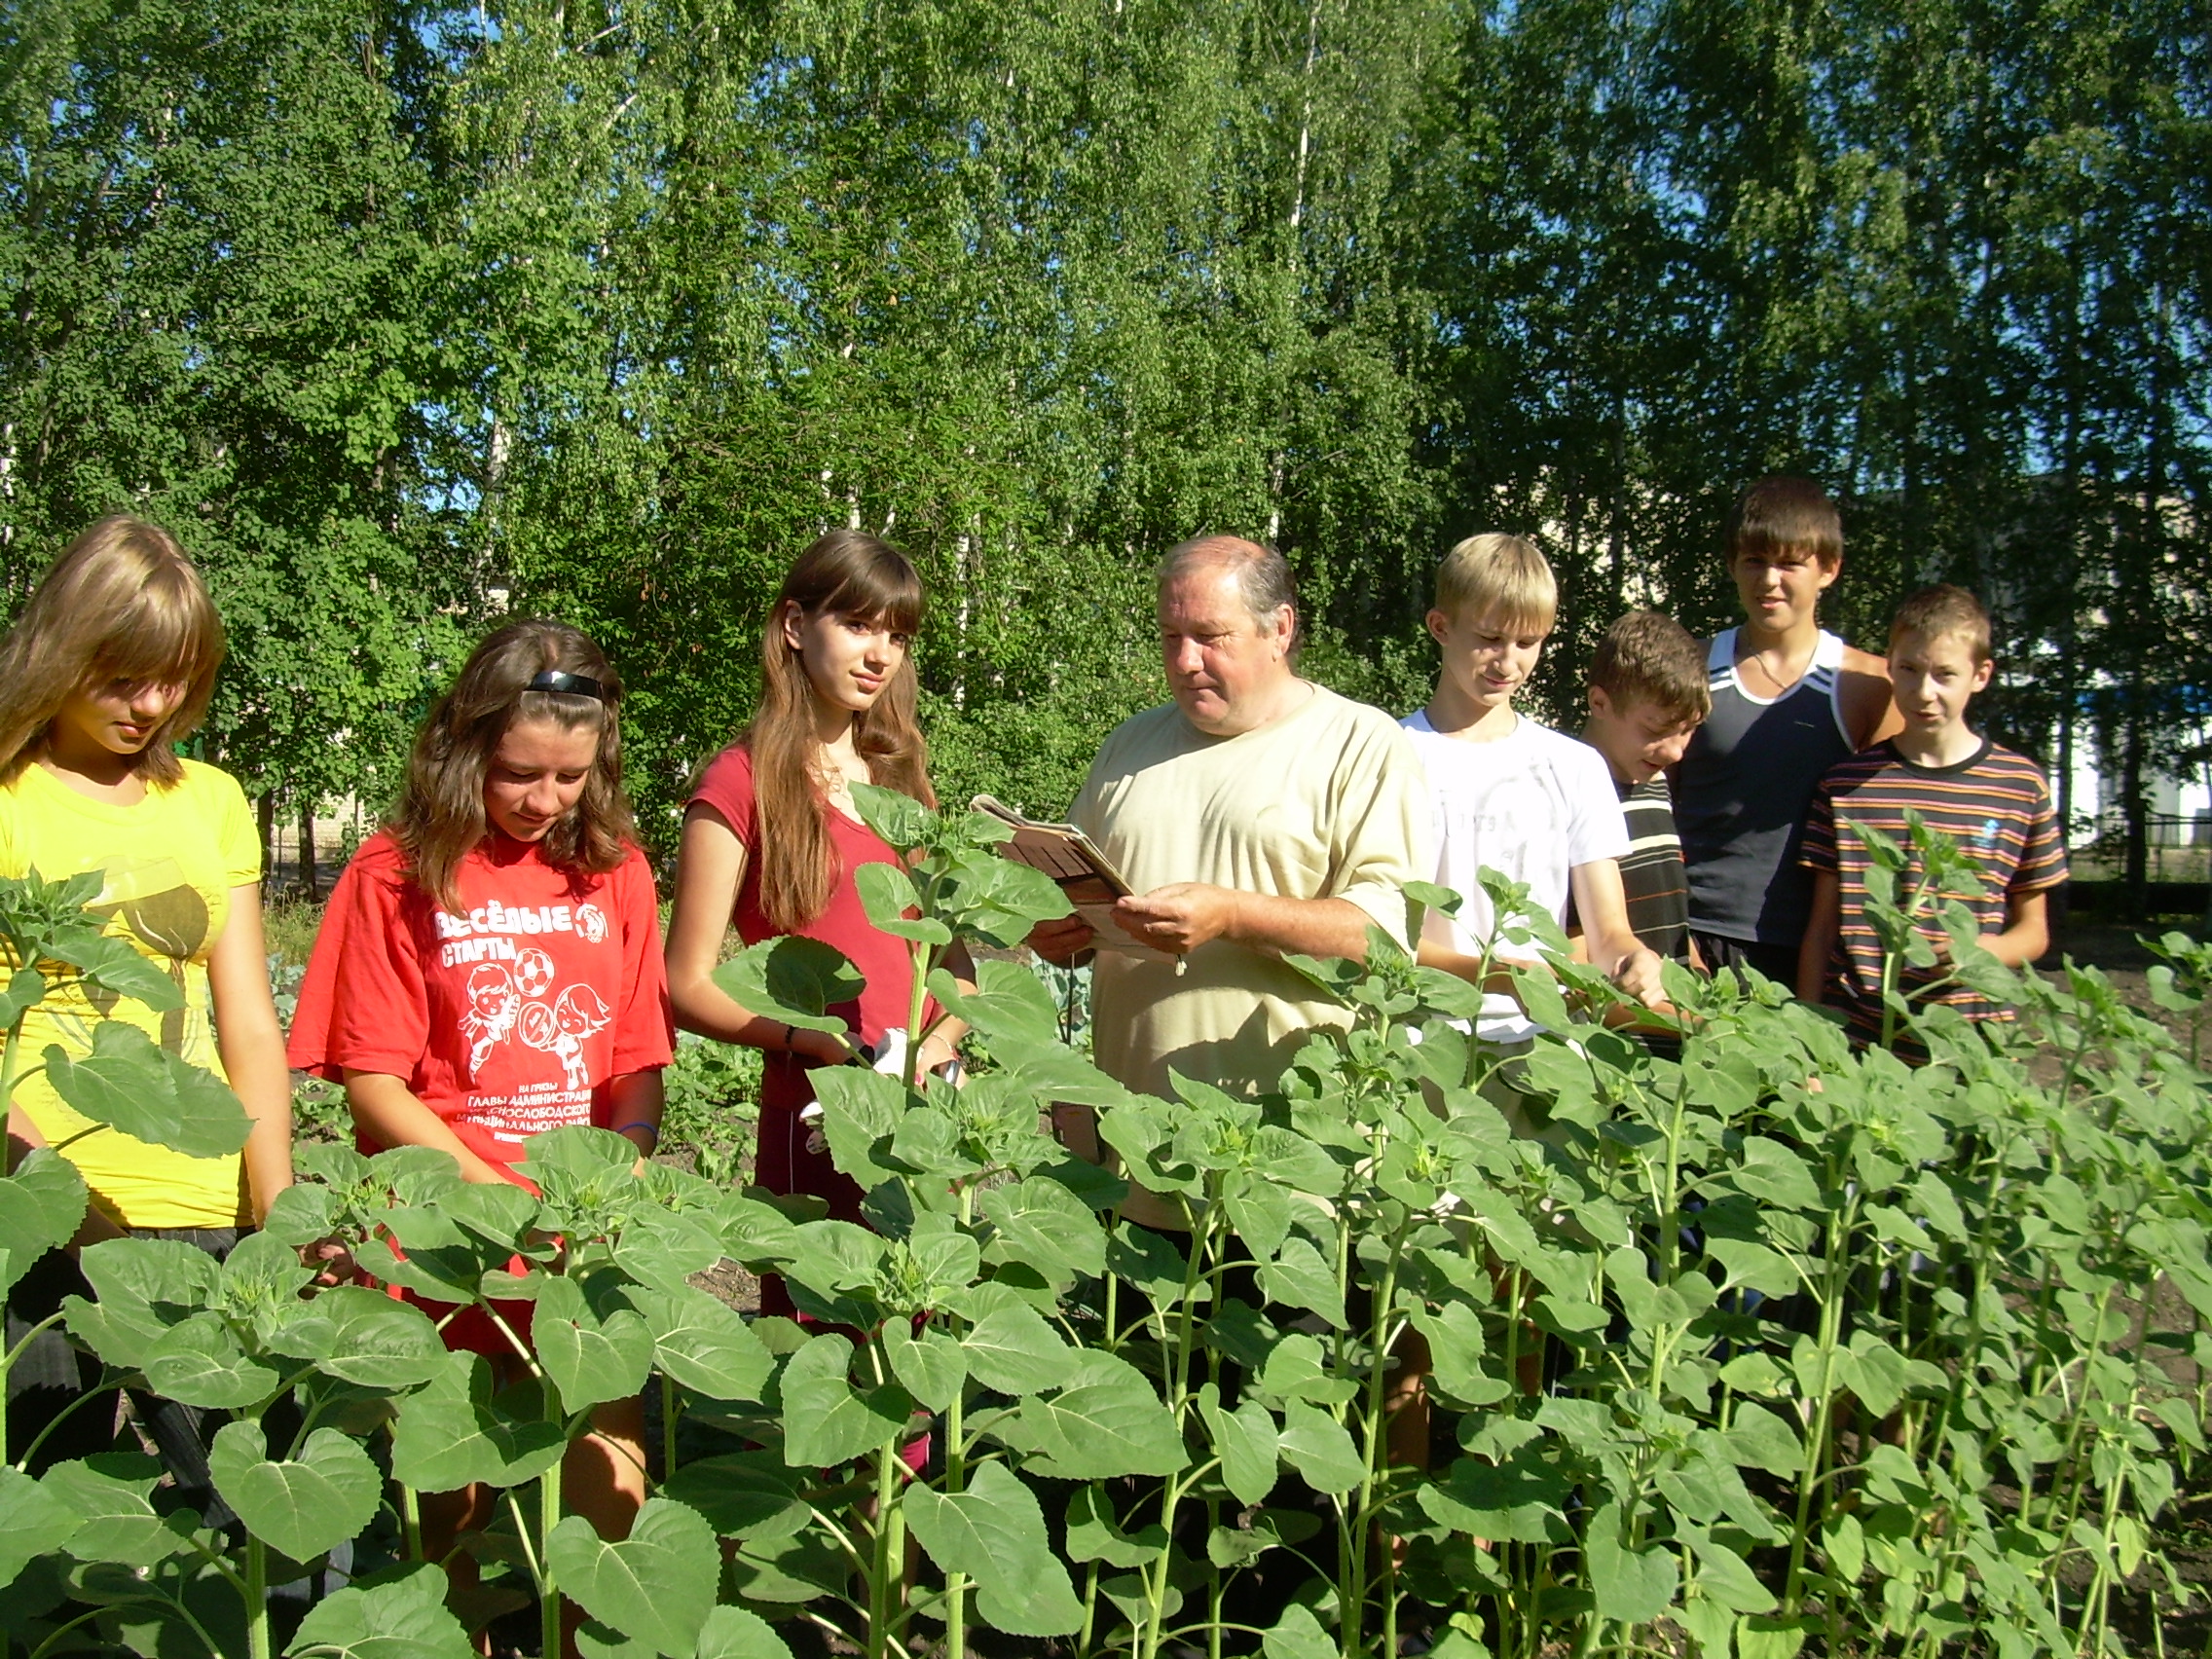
{"x": 1060, "y": 942}
{"x": 1638, "y": 973}
{"x": 1178, "y": 918}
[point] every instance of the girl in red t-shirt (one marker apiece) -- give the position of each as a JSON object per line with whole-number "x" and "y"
{"x": 489, "y": 967}
{"x": 771, "y": 841}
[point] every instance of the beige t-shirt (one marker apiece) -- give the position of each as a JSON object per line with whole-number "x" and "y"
{"x": 1328, "y": 802}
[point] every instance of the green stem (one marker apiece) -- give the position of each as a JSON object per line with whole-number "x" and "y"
{"x": 549, "y": 1592}
{"x": 221, "y": 1563}
{"x": 411, "y": 1521}
{"x": 889, "y": 1553}
{"x": 1089, "y": 1612}
{"x": 8, "y": 1363}
{"x": 1204, "y": 1222}
{"x": 668, "y": 1407}
{"x": 919, "y": 995}
{"x": 1156, "y": 1591}
{"x": 256, "y": 1598}
{"x": 12, "y": 1071}
{"x": 1817, "y": 1439}
{"x": 955, "y": 1481}
{"x": 105, "y": 1392}
{"x": 1376, "y": 1450}
{"x": 86, "y": 1617}
{"x": 176, "y": 1604}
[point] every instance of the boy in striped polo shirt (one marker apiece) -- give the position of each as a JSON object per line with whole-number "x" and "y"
{"x": 1989, "y": 799}
{"x": 1647, "y": 697}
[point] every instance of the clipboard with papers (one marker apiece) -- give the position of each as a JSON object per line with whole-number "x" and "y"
{"x": 1076, "y": 866}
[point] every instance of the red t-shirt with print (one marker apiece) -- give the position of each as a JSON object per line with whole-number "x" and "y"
{"x": 508, "y": 1016}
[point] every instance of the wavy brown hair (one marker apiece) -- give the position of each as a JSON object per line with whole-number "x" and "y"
{"x": 847, "y": 574}
{"x": 123, "y": 603}
{"x": 440, "y": 818}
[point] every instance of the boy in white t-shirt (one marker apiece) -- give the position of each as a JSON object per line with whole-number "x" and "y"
{"x": 1530, "y": 802}
{"x": 1524, "y": 800}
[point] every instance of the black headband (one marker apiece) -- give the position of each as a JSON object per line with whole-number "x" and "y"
{"x": 571, "y": 684}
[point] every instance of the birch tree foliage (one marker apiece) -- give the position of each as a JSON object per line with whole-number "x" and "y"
{"x": 226, "y": 319}
{"x": 406, "y": 315}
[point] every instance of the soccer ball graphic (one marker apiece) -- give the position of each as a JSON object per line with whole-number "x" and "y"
{"x": 591, "y": 922}
{"x": 534, "y": 972}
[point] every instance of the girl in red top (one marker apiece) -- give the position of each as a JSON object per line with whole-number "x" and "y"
{"x": 489, "y": 967}
{"x": 771, "y": 841}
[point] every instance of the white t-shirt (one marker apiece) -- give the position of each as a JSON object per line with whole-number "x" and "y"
{"x": 1531, "y": 806}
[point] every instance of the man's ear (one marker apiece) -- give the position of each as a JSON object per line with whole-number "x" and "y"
{"x": 1438, "y": 624}
{"x": 1601, "y": 705}
{"x": 1981, "y": 675}
{"x": 1285, "y": 629}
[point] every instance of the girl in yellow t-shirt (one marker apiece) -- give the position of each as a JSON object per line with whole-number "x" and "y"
{"x": 110, "y": 664}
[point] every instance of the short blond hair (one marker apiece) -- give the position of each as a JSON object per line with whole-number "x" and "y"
{"x": 122, "y": 602}
{"x": 1500, "y": 576}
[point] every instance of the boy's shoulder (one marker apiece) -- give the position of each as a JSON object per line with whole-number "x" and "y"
{"x": 2009, "y": 769}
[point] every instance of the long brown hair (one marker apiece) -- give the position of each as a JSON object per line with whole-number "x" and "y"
{"x": 441, "y": 815}
{"x": 123, "y": 603}
{"x": 846, "y": 573}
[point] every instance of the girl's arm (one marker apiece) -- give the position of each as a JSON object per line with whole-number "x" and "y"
{"x": 944, "y": 1045}
{"x": 251, "y": 1042}
{"x": 710, "y": 866}
{"x": 635, "y": 1101}
{"x": 1614, "y": 949}
{"x": 388, "y": 1112}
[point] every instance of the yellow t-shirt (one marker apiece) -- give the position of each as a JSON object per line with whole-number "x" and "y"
{"x": 170, "y": 861}
{"x": 1327, "y": 802}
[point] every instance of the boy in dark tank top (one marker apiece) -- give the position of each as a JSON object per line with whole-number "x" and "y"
{"x": 1790, "y": 700}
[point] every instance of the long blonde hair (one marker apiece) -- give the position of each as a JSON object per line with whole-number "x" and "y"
{"x": 123, "y": 603}
{"x": 440, "y": 816}
{"x": 847, "y": 574}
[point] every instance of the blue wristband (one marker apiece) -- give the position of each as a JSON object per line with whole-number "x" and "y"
{"x": 653, "y": 1129}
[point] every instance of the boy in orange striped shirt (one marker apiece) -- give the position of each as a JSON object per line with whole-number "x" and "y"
{"x": 1992, "y": 801}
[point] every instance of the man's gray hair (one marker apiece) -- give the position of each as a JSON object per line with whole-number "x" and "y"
{"x": 1264, "y": 581}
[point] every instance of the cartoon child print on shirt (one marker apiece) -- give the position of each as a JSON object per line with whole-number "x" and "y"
{"x": 580, "y": 1013}
{"x": 497, "y": 1011}
{"x": 492, "y": 1009}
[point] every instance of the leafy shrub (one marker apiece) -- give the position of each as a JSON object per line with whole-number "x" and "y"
{"x": 713, "y": 1104}
{"x": 289, "y": 926}
{"x": 1838, "y": 1353}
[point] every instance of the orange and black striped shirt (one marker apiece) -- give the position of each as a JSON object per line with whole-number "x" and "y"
{"x": 1995, "y": 804}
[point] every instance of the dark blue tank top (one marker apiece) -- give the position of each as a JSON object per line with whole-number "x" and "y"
{"x": 1742, "y": 788}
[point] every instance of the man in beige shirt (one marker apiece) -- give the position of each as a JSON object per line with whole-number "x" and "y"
{"x": 1257, "y": 815}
